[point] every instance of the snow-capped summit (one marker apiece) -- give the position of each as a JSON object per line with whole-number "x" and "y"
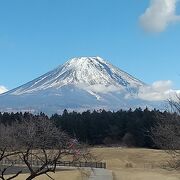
{"x": 80, "y": 84}
{"x": 89, "y": 73}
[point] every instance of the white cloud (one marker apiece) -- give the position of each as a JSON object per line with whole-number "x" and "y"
{"x": 3, "y": 89}
{"x": 159, "y": 15}
{"x": 158, "y": 91}
{"x": 103, "y": 89}
{"x": 100, "y": 88}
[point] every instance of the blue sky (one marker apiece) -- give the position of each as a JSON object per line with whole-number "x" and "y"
{"x": 36, "y": 36}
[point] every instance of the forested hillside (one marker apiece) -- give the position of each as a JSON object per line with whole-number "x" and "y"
{"x": 129, "y": 128}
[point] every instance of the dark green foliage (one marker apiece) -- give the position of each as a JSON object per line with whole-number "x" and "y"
{"x": 131, "y": 128}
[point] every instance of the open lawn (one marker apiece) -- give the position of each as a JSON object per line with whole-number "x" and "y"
{"x": 59, "y": 175}
{"x": 136, "y": 164}
{"x": 126, "y": 164}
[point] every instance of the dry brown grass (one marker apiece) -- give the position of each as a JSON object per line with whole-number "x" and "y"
{"x": 126, "y": 164}
{"x": 60, "y": 175}
{"x": 136, "y": 164}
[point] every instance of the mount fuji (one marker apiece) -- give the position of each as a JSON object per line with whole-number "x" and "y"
{"x": 80, "y": 84}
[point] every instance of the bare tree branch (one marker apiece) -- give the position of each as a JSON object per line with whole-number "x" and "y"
{"x": 166, "y": 133}
{"x": 38, "y": 140}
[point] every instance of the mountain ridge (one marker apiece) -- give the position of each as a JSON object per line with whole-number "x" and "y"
{"x": 83, "y": 70}
{"x": 80, "y": 83}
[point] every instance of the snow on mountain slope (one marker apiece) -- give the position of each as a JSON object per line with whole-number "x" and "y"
{"x": 89, "y": 73}
{"x": 81, "y": 83}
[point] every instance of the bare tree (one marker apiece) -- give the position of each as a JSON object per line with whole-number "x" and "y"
{"x": 7, "y": 150}
{"x": 166, "y": 133}
{"x": 38, "y": 140}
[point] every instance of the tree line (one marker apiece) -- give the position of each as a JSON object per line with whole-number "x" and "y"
{"x": 129, "y": 128}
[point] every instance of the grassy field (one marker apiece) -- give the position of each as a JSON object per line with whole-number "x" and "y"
{"x": 60, "y": 175}
{"x": 136, "y": 164}
{"x": 126, "y": 164}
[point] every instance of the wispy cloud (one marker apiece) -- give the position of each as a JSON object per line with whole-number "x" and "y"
{"x": 159, "y": 15}
{"x": 3, "y": 89}
{"x": 158, "y": 91}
